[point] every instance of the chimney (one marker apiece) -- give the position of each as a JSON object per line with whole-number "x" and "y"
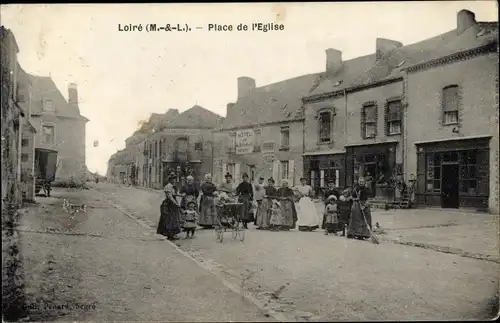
{"x": 385, "y": 45}
{"x": 333, "y": 61}
{"x": 229, "y": 108}
{"x": 245, "y": 85}
{"x": 73, "y": 94}
{"x": 465, "y": 20}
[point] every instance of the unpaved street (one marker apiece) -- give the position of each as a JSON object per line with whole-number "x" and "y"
{"x": 105, "y": 266}
{"x": 307, "y": 276}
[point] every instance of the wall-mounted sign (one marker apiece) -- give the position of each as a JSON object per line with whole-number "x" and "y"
{"x": 188, "y": 132}
{"x": 268, "y": 146}
{"x": 244, "y": 141}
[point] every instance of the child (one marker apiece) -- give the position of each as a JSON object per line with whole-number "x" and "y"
{"x": 332, "y": 219}
{"x": 190, "y": 216}
{"x": 344, "y": 205}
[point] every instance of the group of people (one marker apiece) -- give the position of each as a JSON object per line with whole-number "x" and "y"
{"x": 266, "y": 207}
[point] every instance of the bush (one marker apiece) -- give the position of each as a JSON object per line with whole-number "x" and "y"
{"x": 71, "y": 184}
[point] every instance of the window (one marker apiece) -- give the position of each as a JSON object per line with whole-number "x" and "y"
{"x": 256, "y": 143}
{"x": 48, "y": 106}
{"x": 24, "y": 157}
{"x": 468, "y": 172}
{"x": 25, "y": 142}
{"x": 369, "y": 121}
{"x": 393, "y": 117}
{"x": 232, "y": 142}
{"x": 285, "y": 137}
{"x": 450, "y": 105}
{"x": 433, "y": 172}
{"x": 198, "y": 146}
{"x": 284, "y": 169}
{"x": 48, "y": 134}
{"x": 325, "y": 126}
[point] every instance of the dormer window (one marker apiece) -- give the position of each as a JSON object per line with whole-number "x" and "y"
{"x": 48, "y": 106}
{"x": 450, "y": 104}
{"x": 325, "y": 126}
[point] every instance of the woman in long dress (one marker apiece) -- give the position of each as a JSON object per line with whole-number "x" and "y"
{"x": 170, "y": 216}
{"x": 286, "y": 216}
{"x": 360, "y": 212}
{"x": 306, "y": 211}
{"x": 208, "y": 210}
{"x": 190, "y": 192}
{"x": 244, "y": 191}
{"x": 265, "y": 208}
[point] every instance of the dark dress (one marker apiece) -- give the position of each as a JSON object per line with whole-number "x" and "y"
{"x": 287, "y": 206}
{"x": 265, "y": 208}
{"x": 192, "y": 192}
{"x": 245, "y": 196}
{"x": 344, "y": 210}
{"x": 208, "y": 211}
{"x": 170, "y": 219}
{"x": 360, "y": 211}
{"x": 325, "y": 200}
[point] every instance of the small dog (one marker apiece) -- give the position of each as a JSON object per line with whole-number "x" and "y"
{"x": 74, "y": 208}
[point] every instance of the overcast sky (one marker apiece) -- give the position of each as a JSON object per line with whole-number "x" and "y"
{"x": 123, "y": 77}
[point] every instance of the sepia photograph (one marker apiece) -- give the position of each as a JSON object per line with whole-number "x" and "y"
{"x": 250, "y": 162}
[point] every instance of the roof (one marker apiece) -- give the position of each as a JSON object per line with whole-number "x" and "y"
{"x": 276, "y": 102}
{"x": 43, "y": 87}
{"x": 366, "y": 70}
{"x": 195, "y": 118}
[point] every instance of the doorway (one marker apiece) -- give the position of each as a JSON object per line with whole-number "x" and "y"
{"x": 450, "y": 186}
{"x": 370, "y": 174}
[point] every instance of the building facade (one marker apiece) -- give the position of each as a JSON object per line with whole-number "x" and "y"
{"x": 263, "y": 131}
{"x": 60, "y": 127}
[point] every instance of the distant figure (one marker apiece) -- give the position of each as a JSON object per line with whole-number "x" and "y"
{"x": 189, "y": 218}
{"x": 307, "y": 218}
{"x": 169, "y": 224}
{"x": 189, "y": 191}
{"x": 245, "y": 196}
{"x": 259, "y": 195}
{"x": 208, "y": 210}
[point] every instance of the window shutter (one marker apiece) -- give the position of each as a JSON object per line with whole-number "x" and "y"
{"x": 387, "y": 111}
{"x": 276, "y": 170}
{"x": 237, "y": 173}
{"x": 291, "y": 172}
{"x": 421, "y": 168}
{"x": 322, "y": 178}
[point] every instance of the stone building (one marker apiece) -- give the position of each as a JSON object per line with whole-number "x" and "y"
{"x": 60, "y": 126}
{"x": 263, "y": 131}
{"x": 182, "y": 146}
{"x": 383, "y": 106}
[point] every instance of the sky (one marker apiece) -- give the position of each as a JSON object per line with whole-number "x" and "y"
{"x": 123, "y": 77}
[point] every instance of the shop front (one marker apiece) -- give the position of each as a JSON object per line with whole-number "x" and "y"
{"x": 377, "y": 164}
{"x": 323, "y": 167}
{"x": 453, "y": 173}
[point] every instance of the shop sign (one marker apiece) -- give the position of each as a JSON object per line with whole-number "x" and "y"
{"x": 244, "y": 141}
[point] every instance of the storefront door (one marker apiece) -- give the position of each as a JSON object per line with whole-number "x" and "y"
{"x": 450, "y": 186}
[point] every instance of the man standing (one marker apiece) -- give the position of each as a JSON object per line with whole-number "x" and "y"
{"x": 259, "y": 193}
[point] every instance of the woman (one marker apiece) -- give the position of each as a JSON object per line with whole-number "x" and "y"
{"x": 264, "y": 213}
{"x": 244, "y": 191}
{"x": 170, "y": 216}
{"x": 360, "y": 212}
{"x": 208, "y": 211}
{"x": 306, "y": 211}
{"x": 287, "y": 212}
{"x": 189, "y": 192}
{"x": 227, "y": 186}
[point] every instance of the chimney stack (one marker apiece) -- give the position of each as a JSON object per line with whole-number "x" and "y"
{"x": 383, "y": 46}
{"x": 229, "y": 108}
{"x": 465, "y": 20}
{"x": 245, "y": 85}
{"x": 73, "y": 94}
{"x": 333, "y": 61}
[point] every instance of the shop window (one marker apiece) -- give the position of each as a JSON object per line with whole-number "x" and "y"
{"x": 433, "y": 173}
{"x": 468, "y": 172}
{"x": 325, "y": 126}
{"x": 450, "y": 104}
{"x": 284, "y": 168}
{"x": 198, "y": 146}
{"x": 256, "y": 140}
{"x": 285, "y": 138}
{"x": 393, "y": 117}
{"x": 48, "y": 133}
{"x": 369, "y": 120}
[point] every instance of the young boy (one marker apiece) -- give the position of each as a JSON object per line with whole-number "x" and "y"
{"x": 190, "y": 216}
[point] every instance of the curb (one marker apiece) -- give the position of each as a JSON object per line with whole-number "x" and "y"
{"x": 260, "y": 305}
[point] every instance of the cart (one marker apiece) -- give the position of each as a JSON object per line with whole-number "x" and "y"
{"x": 228, "y": 218}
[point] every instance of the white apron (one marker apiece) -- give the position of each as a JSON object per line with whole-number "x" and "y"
{"x": 307, "y": 216}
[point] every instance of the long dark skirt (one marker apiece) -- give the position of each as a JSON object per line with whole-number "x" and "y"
{"x": 287, "y": 214}
{"x": 357, "y": 225}
{"x": 246, "y": 212}
{"x": 264, "y": 213}
{"x": 344, "y": 210}
{"x": 170, "y": 219}
{"x": 208, "y": 211}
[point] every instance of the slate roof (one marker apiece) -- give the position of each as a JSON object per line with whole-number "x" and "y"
{"x": 43, "y": 87}
{"x": 281, "y": 101}
{"x": 195, "y": 118}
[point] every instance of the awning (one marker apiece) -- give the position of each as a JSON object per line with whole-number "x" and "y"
{"x": 366, "y": 143}
{"x": 452, "y": 139}
{"x": 325, "y": 152}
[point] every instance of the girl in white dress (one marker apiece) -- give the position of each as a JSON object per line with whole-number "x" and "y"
{"x": 308, "y": 219}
